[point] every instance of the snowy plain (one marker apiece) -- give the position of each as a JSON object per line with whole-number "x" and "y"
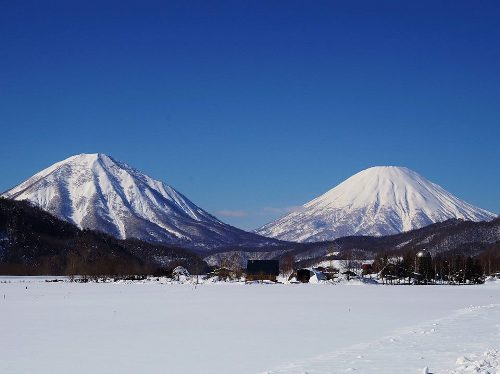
{"x": 254, "y": 328}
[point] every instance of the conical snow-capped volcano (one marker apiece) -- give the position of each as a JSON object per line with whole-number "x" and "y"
{"x": 95, "y": 191}
{"x": 377, "y": 201}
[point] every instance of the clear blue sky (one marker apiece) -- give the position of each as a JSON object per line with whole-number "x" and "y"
{"x": 249, "y": 108}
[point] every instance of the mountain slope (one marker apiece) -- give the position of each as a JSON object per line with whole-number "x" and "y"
{"x": 377, "y": 201}
{"x": 95, "y": 191}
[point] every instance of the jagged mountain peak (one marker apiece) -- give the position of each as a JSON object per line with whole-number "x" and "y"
{"x": 380, "y": 200}
{"x": 96, "y": 191}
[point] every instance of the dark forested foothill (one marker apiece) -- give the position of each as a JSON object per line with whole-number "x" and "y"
{"x": 453, "y": 240}
{"x": 33, "y": 242}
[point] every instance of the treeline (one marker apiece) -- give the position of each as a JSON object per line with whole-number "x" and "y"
{"x": 450, "y": 237}
{"x": 441, "y": 269}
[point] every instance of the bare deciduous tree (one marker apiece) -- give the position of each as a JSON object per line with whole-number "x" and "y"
{"x": 287, "y": 263}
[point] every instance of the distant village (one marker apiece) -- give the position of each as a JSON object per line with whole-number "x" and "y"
{"x": 419, "y": 268}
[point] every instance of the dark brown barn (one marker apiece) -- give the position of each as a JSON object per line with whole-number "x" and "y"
{"x": 262, "y": 270}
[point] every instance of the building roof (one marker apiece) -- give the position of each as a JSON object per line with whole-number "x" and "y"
{"x": 255, "y": 267}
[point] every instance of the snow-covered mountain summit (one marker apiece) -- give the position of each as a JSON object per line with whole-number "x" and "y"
{"x": 97, "y": 192}
{"x": 380, "y": 200}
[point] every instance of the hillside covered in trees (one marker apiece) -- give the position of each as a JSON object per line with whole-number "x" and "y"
{"x": 452, "y": 238}
{"x": 34, "y": 242}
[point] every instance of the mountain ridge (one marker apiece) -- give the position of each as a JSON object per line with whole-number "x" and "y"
{"x": 97, "y": 192}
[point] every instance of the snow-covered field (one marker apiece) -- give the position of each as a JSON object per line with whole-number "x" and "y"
{"x": 237, "y": 328}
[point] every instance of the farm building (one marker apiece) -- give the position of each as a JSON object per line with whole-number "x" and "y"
{"x": 349, "y": 274}
{"x": 366, "y": 268}
{"x": 330, "y": 272}
{"x": 309, "y": 275}
{"x": 262, "y": 270}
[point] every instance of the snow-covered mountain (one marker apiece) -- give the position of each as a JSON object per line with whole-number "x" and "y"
{"x": 377, "y": 201}
{"x": 95, "y": 191}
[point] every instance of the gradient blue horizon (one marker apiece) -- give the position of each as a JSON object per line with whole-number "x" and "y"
{"x": 252, "y": 108}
